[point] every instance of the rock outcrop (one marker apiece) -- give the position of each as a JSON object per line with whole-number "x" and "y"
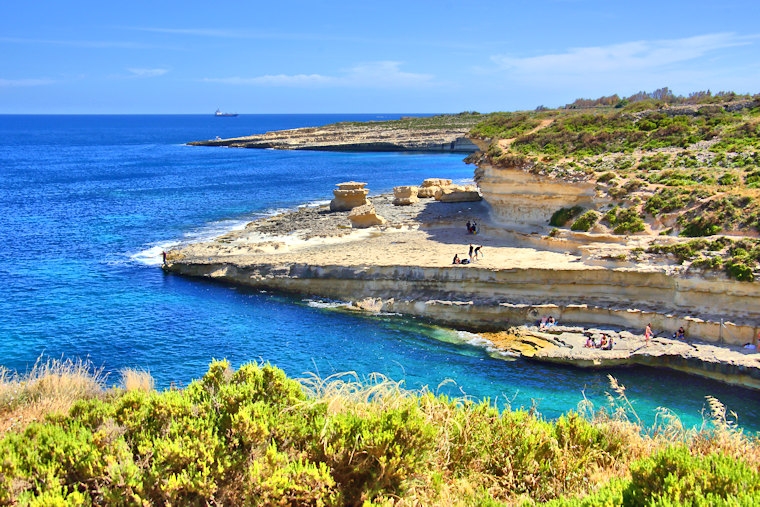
{"x": 430, "y": 186}
{"x": 365, "y": 216}
{"x": 518, "y": 197}
{"x": 348, "y": 196}
{"x": 405, "y": 195}
{"x": 458, "y": 193}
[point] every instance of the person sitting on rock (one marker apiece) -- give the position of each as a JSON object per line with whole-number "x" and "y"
{"x": 680, "y": 334}
{"x": 550, "y": 321}
{"x": 456, "y": 259}
{"x": 603, "y": 343}
{"x": 589, "y": 343}
{"x": 609, "y": 344}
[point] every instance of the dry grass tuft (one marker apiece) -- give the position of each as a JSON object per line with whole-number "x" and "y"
{"x": 51, "y": 386}
{"x": 137, "y": 380}
{"x": 346, "y": 391}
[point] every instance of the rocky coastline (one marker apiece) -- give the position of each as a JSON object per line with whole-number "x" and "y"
{"x": 405, "y": 265}
{"x": 358, "y": 137}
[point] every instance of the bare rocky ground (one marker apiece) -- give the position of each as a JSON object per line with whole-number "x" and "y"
{"x": 319, "y": 222}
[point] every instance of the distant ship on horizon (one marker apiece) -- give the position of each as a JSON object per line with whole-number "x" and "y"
{"x": 220, "y": 113}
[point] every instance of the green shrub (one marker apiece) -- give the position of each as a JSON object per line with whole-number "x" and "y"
{"x": 654, "y": 163}
{"x": 608, "y": 176}
{"x": 674, "y": 476}
{"x": 740, "y": 269}
{"x": 633, "y": 185}
{"x": 624, "y": 220}
{"x": 727, "y": 179}
{"x": 752, "y": 179}
{"x": 585, "y": 221}
{"x": 700, "y": 226}
{"x": 504, "y": 125}
{"x": 375, "y": 452}
{"x": 667, "y": 200}
{"x": 564, "y": 215}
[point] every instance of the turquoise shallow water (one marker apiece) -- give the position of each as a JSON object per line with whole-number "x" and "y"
{"x": 89, "y": 202}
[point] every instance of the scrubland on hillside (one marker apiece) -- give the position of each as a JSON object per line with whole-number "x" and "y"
{"x": 253, "y": 436}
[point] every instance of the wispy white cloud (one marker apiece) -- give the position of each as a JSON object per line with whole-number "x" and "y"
{"x": 635, "y": 56}
{"x": 136, "y": 72}
{"x": 199, "y": 32}
{"x": 20, "y": 83}
{"x": 221, "y": 33}
{"x": 96, "y": 44}
{"x": 383, "y": 74}
{"x": 386, "y": 74}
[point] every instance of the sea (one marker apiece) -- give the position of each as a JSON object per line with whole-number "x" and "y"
{"x": 88, "y": 203}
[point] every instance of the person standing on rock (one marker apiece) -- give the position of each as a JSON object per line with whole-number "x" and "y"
{"x": 648, "y": 333}
{"x": 477, "y": 251}
{"x": 471, "y": 251}
{"x": 469, "y": 227}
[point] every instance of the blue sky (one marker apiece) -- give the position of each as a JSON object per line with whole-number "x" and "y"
{"x": 80, "y": 56}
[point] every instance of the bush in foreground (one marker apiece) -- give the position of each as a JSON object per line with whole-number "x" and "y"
{"x": 255, "y": 437}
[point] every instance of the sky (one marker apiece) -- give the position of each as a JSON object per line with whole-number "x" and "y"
{"x": 293, "y": 56}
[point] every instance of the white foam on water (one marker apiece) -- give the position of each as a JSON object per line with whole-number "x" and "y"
{"x": 151, "y": 256}
{"x": 325, "y": 304}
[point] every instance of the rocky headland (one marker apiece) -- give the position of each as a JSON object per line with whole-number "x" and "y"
{"x": 410, "y": 134}
{"x": 395, "y": 255}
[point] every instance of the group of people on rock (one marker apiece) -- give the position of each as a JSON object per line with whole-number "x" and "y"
{"x": 679, "y": 334}
{"x": 457, "y": 260}
{"x": 472, "y": 227}
{"x": 546, "y": 322}
{"x": 605, "y": 343}
{"x": 474, "y": 254}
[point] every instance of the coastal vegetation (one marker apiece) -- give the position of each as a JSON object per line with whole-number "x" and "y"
{"x": 683, "y": 167}
{"x": 253, "y": 436}
{"x": 466, "y": 119}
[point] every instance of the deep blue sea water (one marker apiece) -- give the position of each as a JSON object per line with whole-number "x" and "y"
{"x": 87, "y": 203}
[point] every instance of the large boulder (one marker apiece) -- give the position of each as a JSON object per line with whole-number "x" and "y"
{"x": 348, "y": 196}
{"x": 430, "y": 186}
{"x": 458, "y": 193}
{"x": 405, "y": 196}
{"x": 365, "y": 216}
